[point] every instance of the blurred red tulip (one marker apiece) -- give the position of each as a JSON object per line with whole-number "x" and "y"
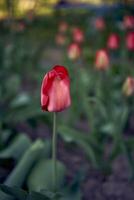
{"x": 63, "y": 26}
{"x": 60, "y": 39}
{"x": 130, "y": 41}
{"x": 129, "y": 21}
{"x": 74, "y": 51}
{"x": 100, "y": 24}
{"x": 55, "y": 90}
{"x": 113, "y": 41}
{"x": 78, "y": 35}
{"x": 102, "y": 59}
{"x": 128, "y": 87}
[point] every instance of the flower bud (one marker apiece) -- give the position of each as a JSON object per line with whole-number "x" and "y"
{"x": 60, "y": 39}
{"x": 129, "y": 21}
{"x": 128, "y": 87}
{"x": 130, "y": 41}
{"x": 78, "y": 35}
{"x": 100, "y": 24}
{"x": 113, "y": 41}
{"x": 74, "y": 51}
{"x": 102, "y": 59}
{"x": 63, "y": 26}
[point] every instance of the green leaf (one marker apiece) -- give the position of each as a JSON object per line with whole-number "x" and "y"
{"x": 71, "y": 135}
{"x": 73, "y": 191}
{"x": 21, "y": 100}
{"x": 19, "y": 173}
{"x": 5, "y": 135}
{"x": 41, "y": 176}
{"x": 17, "y": 148}
{"x": 14, "y": 191}
{"x": 19, "y": 194}
{"x": 108, "y": 128}
{"x": 81, "y": 139}
{"x": 37, "y": 196}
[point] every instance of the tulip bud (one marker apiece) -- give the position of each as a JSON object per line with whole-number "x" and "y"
{"x": 129, "y": 21}
{"x": 100, "y": 24}
{"x": 60, "y": 39}
{"x": 74, "y": 51}
{"x": 128, "y": 87}
{"x": 102, "y": 59}
{"x": 63, "y": 26}
{"x": 55, "y": 90}
{"x": 113, "y": 41}
{"x": 78, "y": 35}
{"x": 130, "y": 41}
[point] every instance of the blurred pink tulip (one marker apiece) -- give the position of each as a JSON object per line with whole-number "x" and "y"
{"x": 113, "y": 41}
{"x": 60, "y": 39}
{"x": 78, "y": 35}
{"x": 100, "y": 24}
{"x": 129, "y": 21}
{"x": 74, "y": 51}
{"x": 102, "y": 59}
{"x": 130, "y": 41}
{"x": 128, "y": 87}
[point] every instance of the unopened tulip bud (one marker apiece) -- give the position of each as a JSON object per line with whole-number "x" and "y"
{"x": 102, "y": 59}
{"x": 113, "y": 41}
{"x": 63, "y": 26}
{"x": 129, "y": 21}
{"x": 60, "y": 39}
{"x": 78, "y": 35}
{"x": 130, "y": 41}
{"x": 128, "y": 87}
{"x": 74, "y": 51}
{"x": 100, "y": 24}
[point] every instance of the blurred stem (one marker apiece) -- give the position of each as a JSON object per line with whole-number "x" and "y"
{"x": 54, "y": 152}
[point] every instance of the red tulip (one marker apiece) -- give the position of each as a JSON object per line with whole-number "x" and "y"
{"x": 100, "y": 24}
{"x": 129, "y": 21}
{"x": 78, "y": 35}
{"x": 113, "y": 41}
{"x": 55, "y": 90}
{"x": 130, "y": 41}
{"x": 128, "y": 87}
{"x": 63, "y": 26}
{"x": 102, "y": 59}
{"x": 74, "y": 51}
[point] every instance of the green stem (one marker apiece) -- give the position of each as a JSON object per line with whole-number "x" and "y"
{"x": 54, "y": 152}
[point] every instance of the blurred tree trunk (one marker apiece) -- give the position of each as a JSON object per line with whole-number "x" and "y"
{"x": 10, "y": 5}
{"x": 37, "y": 3}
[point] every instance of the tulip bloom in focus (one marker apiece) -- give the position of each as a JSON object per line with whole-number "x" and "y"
{"x": 55, "y": 90}
{"x": 130, "y": 41}
{"x": 129, "y": 21}
{"x": 113, "y": 41}
{"x": 74, "y": 51}
{"x": 102, "y": 59}
{"x": 78, "y": 35}
{"x": 100, "y": 24}
{"x": 128, "y": 87}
